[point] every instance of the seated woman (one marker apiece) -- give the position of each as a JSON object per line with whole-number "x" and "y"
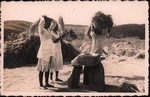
{"x": 97, "y": 32}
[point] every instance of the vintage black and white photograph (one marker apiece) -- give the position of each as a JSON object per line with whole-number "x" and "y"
{"x": 75, "y": 47}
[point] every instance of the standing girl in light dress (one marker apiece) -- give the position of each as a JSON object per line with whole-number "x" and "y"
{"x": 46, "y": 54}
{"x": 58, "y": 51}
{"x": 58, "y": 59}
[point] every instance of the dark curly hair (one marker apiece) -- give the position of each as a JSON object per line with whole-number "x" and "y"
{"x": 48, "y": 23}
{"x": 101, "y": 21}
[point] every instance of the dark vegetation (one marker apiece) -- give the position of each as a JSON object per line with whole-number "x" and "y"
{"x": 128, "y": 30}
{"x": 19, "y": 50}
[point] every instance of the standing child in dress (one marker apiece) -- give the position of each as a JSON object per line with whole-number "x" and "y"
{"x": 58, "y": 52}
{"x": 45, "y": 28}
{"x": 46, "y": 51}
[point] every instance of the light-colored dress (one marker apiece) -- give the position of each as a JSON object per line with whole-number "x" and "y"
{"x": 58, "y": 57}
{"x": 50, "y": 54}
{"x": 46, "y": 50}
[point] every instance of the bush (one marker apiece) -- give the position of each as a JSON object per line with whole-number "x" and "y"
{"x": 128, "y": 30}
{"x": 21, "y": 51}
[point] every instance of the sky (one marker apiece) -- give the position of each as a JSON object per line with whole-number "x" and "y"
{"x": 77, "y": 12}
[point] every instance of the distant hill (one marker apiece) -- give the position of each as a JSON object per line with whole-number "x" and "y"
{"x": 128, "y": 30}
{"x": 14, "y": 27}
{"x": 120, "y": 31}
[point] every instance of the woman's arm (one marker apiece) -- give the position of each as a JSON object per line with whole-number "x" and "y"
{"x": 41, "y": 24}
{"x": 58, "y": 38}
{"x": 54, "y": 34}
{"x": 87, "y": 32}
{"x": 53, "y": 25}
{"x": 51, "y": 28}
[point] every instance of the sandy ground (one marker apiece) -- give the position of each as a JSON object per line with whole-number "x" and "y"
{"x": 117, "y": 71}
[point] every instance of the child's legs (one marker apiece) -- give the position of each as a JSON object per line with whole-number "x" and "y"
{"x": 46, "y": 77}
{"x": 56, "y": 75}
{"x": 52, "y": 68}
{"x": 41, "y": 78}
{"x": 57, "y": 72}
{"x": 51, "y": 74}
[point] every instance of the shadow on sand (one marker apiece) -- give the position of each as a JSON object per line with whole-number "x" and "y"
{"x": 108, "y": 87}
{"x": 85, "y": 88}
{"x": 128, "y": 78}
